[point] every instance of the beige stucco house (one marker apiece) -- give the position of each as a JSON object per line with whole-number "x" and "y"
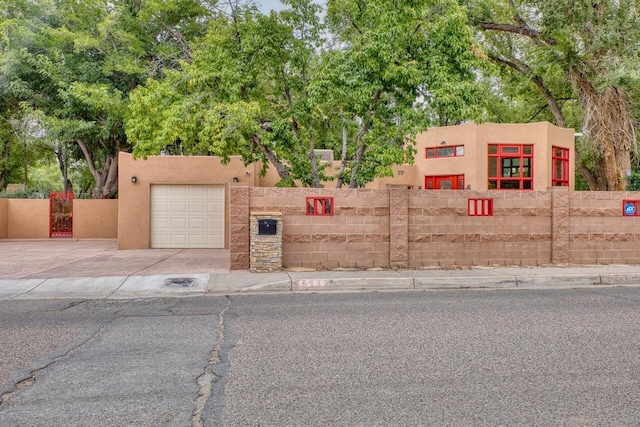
{"x": 175, "y": 201}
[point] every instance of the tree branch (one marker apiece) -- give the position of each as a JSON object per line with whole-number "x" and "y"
{"x": 534, "y": 35}
{"x": 537, "y": 80}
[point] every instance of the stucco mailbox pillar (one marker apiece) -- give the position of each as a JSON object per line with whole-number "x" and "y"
{"x": 266, "y": 242}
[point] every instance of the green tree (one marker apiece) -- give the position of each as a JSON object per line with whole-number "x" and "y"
{"x": 395, "y": 69}
{"x": 78, "y": 61}
{"x": 584, "y": 52}
{"x": 244, "y": 93}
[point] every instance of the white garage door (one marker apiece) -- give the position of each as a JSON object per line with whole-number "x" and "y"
{"x": 187, "y": 216}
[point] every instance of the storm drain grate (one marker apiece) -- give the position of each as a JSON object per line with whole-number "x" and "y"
{"x": 180, "y": 282}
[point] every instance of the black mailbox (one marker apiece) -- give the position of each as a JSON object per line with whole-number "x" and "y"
{"x": 267, "y": 226}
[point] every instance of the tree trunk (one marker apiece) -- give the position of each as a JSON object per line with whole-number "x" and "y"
{"x": 106, "y": 180}
{"x": 364, "y": 128}
{"x": 64, "y": 168}
{"x": 282, "y": 170}
{"x": 343, "y": 159}
{"x": 4, "y": 158}
{"x": 608, "y": 124}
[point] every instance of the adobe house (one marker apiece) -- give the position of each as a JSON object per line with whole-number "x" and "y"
{"x": 184, "y": 202}
{"x": 495, "y": 157}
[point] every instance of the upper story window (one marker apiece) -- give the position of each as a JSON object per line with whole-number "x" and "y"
{"x": 560, "y": 167}
{"x": 450, "y": 151}
{"x": 510, "y": 167}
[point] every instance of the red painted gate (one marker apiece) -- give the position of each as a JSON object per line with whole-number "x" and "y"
{"x": 61, "y": 214}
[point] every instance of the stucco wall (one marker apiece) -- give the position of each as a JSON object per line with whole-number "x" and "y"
{"x": 476, "y": 139}
{"x": 28, "y": 219}
{"x": 134, "y": 198}
{"x": 4, "y": 206}
{"x": 95, "y": 219}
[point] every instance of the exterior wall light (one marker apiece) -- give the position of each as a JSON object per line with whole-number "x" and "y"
{"x": 235, "y": 179}
{"x": 134, "y": 179}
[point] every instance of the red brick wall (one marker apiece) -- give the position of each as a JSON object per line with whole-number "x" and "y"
{"x": 399, "y": 228}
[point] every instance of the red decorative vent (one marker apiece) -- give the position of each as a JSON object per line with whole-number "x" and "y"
{"x": 480, "y": 207}
{"x": 320, "y": 206}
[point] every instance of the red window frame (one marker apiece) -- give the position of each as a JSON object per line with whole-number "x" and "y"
{"x": 432, "y": 152}
{"x": 319, "y": 206}
{"x": 510, "y": 167}
{"x": 560, "y": 167}
{"x": 433, "y": 182}
{"x": 480, "y": 207}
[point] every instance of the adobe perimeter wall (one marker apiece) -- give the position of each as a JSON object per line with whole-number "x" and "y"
{"x": 28, "y": 219}
{"x": 95, "y": 219}
{"x": 4, "y": 216}
{"x": 416, "y": 228}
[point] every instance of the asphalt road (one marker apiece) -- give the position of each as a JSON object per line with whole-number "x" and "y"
{"x": 559, "y": 357}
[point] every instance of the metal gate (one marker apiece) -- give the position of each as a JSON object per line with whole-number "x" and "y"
{"x": 61, "y": 214}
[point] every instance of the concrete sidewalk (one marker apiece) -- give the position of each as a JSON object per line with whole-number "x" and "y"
{"x": 166, "y": 285}
{"x": 95, "y": 269}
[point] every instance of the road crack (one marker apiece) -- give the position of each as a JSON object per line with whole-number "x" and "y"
{"x": 30, "y": 375}
{"x": 208, "y": 377}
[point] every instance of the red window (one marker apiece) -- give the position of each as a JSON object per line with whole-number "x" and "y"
{"x": 451, "y": 151}
{"x": 444, "y": 182}
{"x": 510, "y": 167}
{"x": 320, "y": 206}
{"x": 560, "y": 169}
{"x": 480, "y": 207}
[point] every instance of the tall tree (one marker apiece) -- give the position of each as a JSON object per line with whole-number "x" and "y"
{"x": 83, "y": 59}
{"x": 245, "y": 92}
{"x": 587, "y": 46}
{"x": 396, "y": 69}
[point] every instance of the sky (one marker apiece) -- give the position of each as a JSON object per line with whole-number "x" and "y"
{"x": 268, "y": 5}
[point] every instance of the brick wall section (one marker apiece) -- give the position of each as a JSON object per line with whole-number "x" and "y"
{"x": 368, "y": 228}
{"x": 560, "y": 225}
{"x": 599, "y": 233}
{"x": 356, "y": 236}
{"x": 239, "y": 244}
{"x": 442, "y": 234}
{"x": 399, "y": 228}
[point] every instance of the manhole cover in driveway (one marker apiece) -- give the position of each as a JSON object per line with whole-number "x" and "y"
{"x": 180, "y": 282}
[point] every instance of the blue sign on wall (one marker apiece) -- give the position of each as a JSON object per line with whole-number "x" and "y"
{"x": 630, "y": 209}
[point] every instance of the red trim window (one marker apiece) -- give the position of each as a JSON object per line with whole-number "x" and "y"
{"x": 450, "y": 151}
{"x": 320, "y": 206}
{"x": 444, "y": 182}
{"x": 510, "y": 167}
{"x": 560, "y": 167}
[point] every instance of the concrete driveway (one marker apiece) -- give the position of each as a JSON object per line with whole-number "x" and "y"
{"x": 33, "y": 259}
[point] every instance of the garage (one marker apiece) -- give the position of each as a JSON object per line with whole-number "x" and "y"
{"x": 187, "y": 216}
